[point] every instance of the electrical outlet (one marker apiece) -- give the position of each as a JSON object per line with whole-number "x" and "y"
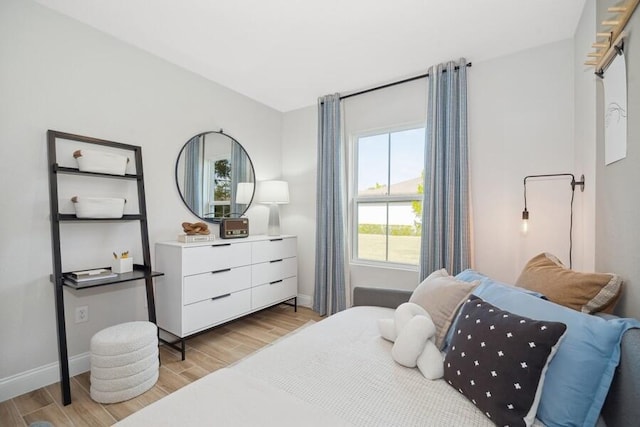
{"x": 82, "y": 314}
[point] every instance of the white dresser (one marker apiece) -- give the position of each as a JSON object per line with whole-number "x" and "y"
{"x": 209, "y": 283}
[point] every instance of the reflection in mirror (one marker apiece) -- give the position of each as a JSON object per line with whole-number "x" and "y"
{"x": 215, "y": 176}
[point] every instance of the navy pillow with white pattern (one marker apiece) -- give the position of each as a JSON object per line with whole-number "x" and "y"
{"x": 498, "y": 359}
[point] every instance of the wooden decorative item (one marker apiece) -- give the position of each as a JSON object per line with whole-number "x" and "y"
{"x": 611, "y": 36}
{"x": 191, "y": 229}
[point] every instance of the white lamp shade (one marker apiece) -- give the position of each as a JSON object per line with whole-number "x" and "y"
{"x": 244, "y": 193}
{"x": 273, "y": 192}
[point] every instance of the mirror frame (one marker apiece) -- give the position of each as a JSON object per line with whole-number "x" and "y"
{"x": 215, "y": 220}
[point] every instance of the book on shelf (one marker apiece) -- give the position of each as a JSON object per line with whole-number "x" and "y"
{"x": 86, "y": 275}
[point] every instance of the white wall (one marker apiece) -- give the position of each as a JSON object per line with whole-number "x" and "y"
{"x": 520, "y": 123}
{"x": 617, "y": 231}
{"x": 585, "y": 137}
{"x": 59, "y": 74}
{"x": 299, "y": 157}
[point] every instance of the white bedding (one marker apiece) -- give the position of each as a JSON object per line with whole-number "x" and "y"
{"x": 336, "y": 372}
{"x": 230, "y": 398}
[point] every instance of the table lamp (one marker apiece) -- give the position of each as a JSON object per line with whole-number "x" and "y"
{"x": 244, "y": 193}
{"x": 273, "y": 193}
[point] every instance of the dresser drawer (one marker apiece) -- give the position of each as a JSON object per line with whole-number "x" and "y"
{"x": 202, "y": 259}
{"x": 269, "y": 250}
{"x": 271, "y": 293}
{"x": 204, "y": 314}
{"x": 213, "y": 284}
{"x": 267, "y": 272}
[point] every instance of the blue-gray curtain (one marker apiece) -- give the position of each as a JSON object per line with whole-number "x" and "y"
{"x": 330, "y": 278}
{"x": 446, "y": 225}
{"x": 193, "y": 175}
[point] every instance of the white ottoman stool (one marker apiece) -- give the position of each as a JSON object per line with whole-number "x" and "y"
{"x": 124, "y": 361}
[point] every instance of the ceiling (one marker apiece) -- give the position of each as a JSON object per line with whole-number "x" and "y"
{"x": 286, "y": 53}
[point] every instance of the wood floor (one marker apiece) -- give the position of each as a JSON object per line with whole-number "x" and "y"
{"x": 205, "y": 353}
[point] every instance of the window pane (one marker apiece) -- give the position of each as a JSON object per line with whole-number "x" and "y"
{"x": 373, "y": 165}
{"x": 372, "y": 239}
{"x": 390, "y": 167}
{"x": 404, "y": 232}
{"x": 407, "y": 161}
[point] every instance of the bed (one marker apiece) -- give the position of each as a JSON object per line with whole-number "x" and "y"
{"x": 339, "y": 372}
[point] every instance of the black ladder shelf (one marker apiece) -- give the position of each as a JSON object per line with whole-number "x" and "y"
{"x": 59, "y": 278}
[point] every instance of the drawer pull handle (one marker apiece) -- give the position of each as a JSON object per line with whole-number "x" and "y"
{"x": 275, "y": 240}
{"x": 220, "y": 297}
{"x": 222, "y": 244}
{"x": 276, "y": 260}
{"x": 221, "y": 271}
{"x": 277, "y": 281}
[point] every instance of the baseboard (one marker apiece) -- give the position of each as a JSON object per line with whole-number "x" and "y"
{"x": 305, "y": 301}
{"x": 42, "y": 376}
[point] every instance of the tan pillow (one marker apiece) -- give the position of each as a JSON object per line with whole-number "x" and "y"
{"x": 442, "y": 295}
{"x": 585, "y": 292}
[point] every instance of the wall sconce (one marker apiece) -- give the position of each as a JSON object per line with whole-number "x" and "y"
{"x": 573, "y": 183}
{"x": 273, "y": 193}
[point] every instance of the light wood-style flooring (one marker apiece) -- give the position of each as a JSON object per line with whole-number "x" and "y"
{"x": 205, "y": 353}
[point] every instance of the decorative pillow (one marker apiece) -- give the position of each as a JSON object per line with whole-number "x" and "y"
{"x": 585, "y": 292}
{"x": 579, "y": 377}
{"x": 412, "y": 332}
{"x": 411, "y": 341}
{"x": 387, "y": 328}
{"x": 442, "y": 295}
{"x": 390, "y": 329}
{"x": 498, "y": 360}
{"x": 406, "y": 312}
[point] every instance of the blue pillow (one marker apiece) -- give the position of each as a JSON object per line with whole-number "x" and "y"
{"x": 470, "y": 275}
{"x": 579, "y": 376}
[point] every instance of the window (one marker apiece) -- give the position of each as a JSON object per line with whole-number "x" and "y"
{"x": 388, "y": 177}
{"x": 219, "y": 195}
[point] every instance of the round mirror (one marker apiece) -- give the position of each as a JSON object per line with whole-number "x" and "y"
{"x": 215, "y": 176}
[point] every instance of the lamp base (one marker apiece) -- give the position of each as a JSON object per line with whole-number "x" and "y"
{"x": 274, "y": 220}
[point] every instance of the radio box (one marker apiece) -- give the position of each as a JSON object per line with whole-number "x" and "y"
{"x": 233, "y": 228}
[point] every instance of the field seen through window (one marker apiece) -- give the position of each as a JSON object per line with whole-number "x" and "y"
{"x": 402, "y": 249}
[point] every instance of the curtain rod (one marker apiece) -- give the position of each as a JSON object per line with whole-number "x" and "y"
{"x": 392, "y": 84}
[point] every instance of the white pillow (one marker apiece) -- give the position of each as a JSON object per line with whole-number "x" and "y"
{"x": 387, "y": 329}
{"x": 410, "y": 343}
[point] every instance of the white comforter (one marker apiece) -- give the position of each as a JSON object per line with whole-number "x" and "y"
{"x": 336, "y": 372}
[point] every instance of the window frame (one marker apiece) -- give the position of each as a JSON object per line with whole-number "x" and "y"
{"x": 355, "y": 201}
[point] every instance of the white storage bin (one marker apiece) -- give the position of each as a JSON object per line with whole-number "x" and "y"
{"x": 98, "y": 207}
{"x": 101, "y": 161}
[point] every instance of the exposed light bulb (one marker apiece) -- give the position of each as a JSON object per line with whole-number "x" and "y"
{"x": 525, "y": 221}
